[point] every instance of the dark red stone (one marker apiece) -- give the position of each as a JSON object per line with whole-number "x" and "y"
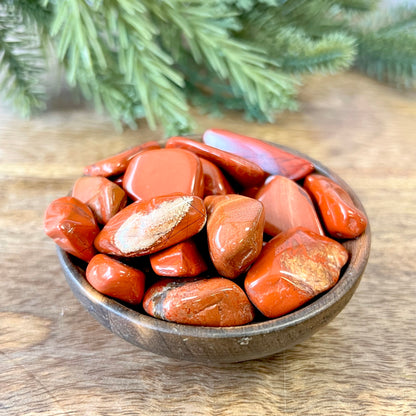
{"x": 215, "y": 183}
{"x": 341, "y": 217}
{"x": 293, "y": 268}
{"x": 71, "y": 224}
{"x": 206, "y": 302}
{"x": 287, "y": 205}
{"x": 271, "y": 159}
{"x": 113, "y": 278}
{"x": 163, "y": 171}
{"x": 242, "y": 170}
{"x": 181, "y": 260}
{"x": 145, "y": 227}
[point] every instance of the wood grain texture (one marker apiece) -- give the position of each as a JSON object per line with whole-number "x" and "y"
{"x": 55, "y": 359}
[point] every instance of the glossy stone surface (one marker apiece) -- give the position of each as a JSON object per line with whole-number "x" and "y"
{"x": 117, "y": 164}
{"x": 145, "y": 227}
{"x": 271, "y": 159}
{"x": 206, "y": 302}
{"x": 341, "y": 217}
{"x": 163, "y": 171}
{"x": 102, "y": 196}
{"x": 113, "y": 278}
{"x": 71, "y": 224}
{"x": 215, "y": 183}
{"x": 287, "y": 205}
{"x": 242, "y": 170}
{"x": 293, "y": 268}
{"x": 235, "y": 232}
{"x": 181, "y": 260}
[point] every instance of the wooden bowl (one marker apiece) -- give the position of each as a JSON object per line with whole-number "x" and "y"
{"x": 224, "y": 345}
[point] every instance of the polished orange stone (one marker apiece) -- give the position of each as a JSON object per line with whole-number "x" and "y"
{"x": 163, "y": 171}
{"x": 113, "y": 278}
{"x": 181, "y": 260}
{"x": 206, "y": 302}
{"x": 145, "y": 227}
{"x": 293, "y": 268}
{"x": 271, "y": 159}
{"x": 102, "y": 196}
{"x": 242, "y": 170}
{"x": 235, "y": 232}
{"x": 341, "y": 217}
{"x": 287, "y": 205}
{"x": 117, "y": 164}
{"x": 71, "y": 224}
{"x": 215, "y": 183}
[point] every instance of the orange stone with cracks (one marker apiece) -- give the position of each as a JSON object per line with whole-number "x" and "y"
{"x": 211, "y": 302}
{"x": 181, "y": 260}
{"x": 117, "y": 164}
{"x": 292, "y": 269}
{"x": 145, "y": 227}
{"x": 71, "y": 224}
{"x": 341, "y": 217}
{"x": 235, "y": 232}
{"x": 102, "y": 196}
{"x": 113, "y": 278}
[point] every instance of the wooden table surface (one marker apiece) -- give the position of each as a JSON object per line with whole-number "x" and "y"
{"x": 55, "y": 359}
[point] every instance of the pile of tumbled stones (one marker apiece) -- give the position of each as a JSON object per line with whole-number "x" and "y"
{"x": 232, "y": 227}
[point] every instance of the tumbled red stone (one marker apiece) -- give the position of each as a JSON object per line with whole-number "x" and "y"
{"x": 163, "y": 171}
{"x": 145, "y": 227}
{"x": 206, "y": 302}
{"x": 293, "y": 267}
{"x": 113, "y": 278}
{"x": 287, "y": 205}
{"x": 117, "y": 164}
{"x": 181, "y": 260}
{"x": 215, "y": 183}
{"x": 102, "y": 196}
{"x": 71, "y": 224}
{"x": 341, "y": 217}
{"x": 235, "y": 232}
{"x": 242, "y": 170}
{"x": 271, "y": 159}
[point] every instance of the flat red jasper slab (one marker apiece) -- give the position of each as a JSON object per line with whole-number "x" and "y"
{"x": 181, "y": 260}
{"x": 207, "y": 302}
{"x": 145, "y": 227}
{"x": 341, "y": 217}
{"x": 117, "y": 164}
{"x": 271, "y": 159}
{"x": 102, "y": 196}
{"x": 215, "y": 183}
{"x": 293, "y": 268}
{"x": 235, "y": 232}
{"x": 113, "y": 278}
{"x": 71, "y": 224}
{"x": 287, "y": 205}
{"x": 161, "y": 172}
{"x": 242, "y": 170}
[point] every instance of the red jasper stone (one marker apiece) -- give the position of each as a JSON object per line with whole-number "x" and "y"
{"x": 271, "y": 159}
{"x": 235, "y": 232}
{"x": 207, "y": 302}
{"x": 215, "y": 183}
{"x": 145, "y": 227}
{"x": 113, "y": 278}
{"x": 163, "y": 171}
{"x": 242, "y": 170}
{"x": 117, "y": 164}
{"x": 102, "y": 196}
{"x": 341, "y": 217}
{"x": 287, "y": 205}
{"x": 293, "y": 268}
{"x": 71, "y": 224}
{"x": 181, "y": 260}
